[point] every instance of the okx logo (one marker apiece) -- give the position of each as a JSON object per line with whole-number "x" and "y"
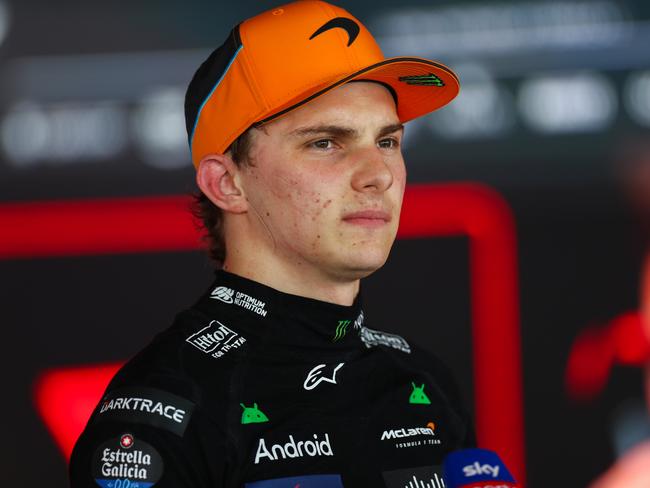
{"x": 341, "y": 329}
{"x": 252, "y": 415}
{"x": 418, "y": 397}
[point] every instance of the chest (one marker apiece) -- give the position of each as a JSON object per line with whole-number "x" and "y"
{"x": 367, "y": 419}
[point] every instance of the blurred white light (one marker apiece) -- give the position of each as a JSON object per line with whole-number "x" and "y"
{"x": 483, "y": 109}
{"x": 637, "y": 97}
{"x": 584, "y": 102}
{"x": 63, "y": 133}
{"x": 25, "y": 134}
{"x": 492, "y": 27}
{"x": 159, "y": 129}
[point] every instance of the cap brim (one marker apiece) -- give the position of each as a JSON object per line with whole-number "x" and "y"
{"x": 421, "y": 86}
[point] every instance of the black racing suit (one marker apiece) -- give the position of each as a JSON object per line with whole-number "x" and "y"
{"x": 256, "y": 388}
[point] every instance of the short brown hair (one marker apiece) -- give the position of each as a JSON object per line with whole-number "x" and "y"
{"x": 210, "y": 216}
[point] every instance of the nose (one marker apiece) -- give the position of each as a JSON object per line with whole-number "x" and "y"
{"x": 373, "y": 172}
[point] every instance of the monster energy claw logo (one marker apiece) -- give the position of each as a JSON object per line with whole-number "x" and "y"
{"x": 426, "y": 80}
{"x": 341, "y": 329}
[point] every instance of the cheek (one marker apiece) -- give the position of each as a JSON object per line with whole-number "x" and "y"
{"x": 299, "y": 199}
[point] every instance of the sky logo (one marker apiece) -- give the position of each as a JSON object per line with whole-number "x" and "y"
{"x": 474, "y": 467}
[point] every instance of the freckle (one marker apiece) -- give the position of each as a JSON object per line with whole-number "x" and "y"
{"x": 318, "y": 236}
{"x": 327, "y": 203}
{"x": 268, "y": 214}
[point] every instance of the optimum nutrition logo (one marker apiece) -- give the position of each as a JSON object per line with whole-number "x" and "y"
{"x": 247, "y": 302}
{"x": 293, "y": 449}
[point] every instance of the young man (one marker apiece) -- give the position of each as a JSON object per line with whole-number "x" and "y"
{"x": 273, "y": 379}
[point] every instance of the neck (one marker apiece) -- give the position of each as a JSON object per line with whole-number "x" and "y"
{"x": 293, "y": 280}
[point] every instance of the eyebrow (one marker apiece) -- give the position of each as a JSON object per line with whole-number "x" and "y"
{"x": 341, "y": 131}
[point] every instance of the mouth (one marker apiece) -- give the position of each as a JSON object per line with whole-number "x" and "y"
{"x": 368, "y": 218}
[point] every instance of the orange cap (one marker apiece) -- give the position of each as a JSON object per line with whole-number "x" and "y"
{"x": 283, "y": 58}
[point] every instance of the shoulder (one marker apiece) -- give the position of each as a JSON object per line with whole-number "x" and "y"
{"x": 406, "y": 355}
{"x": 170, "y": 402}
{"x": 184, "y": 368}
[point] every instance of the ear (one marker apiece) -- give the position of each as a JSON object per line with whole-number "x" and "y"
{"x": 218, "y": 178}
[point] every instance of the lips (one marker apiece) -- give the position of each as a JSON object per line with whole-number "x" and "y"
{"x": 368, "y": 218}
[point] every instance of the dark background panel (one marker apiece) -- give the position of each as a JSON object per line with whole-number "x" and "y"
{"x": 91, "y": 106}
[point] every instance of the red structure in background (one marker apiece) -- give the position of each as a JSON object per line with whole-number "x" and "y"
{"x": 65, "y": 397}
{"x": 596, "y": 350}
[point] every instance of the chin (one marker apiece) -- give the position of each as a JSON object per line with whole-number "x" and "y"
{"x": 363, "y": 266}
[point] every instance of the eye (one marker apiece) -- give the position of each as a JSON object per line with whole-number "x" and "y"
{"x": 323, "y": 144}
{"x": 388, "y": 143}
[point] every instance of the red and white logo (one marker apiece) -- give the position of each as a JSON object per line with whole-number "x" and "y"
{"x": 126, "y": 441}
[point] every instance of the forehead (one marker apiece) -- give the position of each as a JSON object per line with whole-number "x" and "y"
{"x": 364, "y": 104}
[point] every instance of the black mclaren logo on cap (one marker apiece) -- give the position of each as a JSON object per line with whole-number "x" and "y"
{"x": 426, "y": 80}
{"x": 349, "y": 25}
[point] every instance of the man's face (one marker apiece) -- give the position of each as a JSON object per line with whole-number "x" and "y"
{"x": 326, "y": 183}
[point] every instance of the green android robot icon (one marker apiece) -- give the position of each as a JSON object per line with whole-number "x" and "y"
{"x": 418, "y": 396}
{"x": 252, "y": 415}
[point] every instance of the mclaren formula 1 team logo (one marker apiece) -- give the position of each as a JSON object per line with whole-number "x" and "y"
{"x": 403, "y": 437}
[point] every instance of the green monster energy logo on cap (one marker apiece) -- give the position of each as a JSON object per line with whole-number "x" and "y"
{"x": 426, "y": 80}
{"x": 341, "y": 329}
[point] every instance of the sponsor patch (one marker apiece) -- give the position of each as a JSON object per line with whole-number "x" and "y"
{"x": 358, "y": 323}
{"x": 252, "y": 415}
{"x": 418, "y": 397}
{"x": 341, "y": 330}
{"x": 126, "y": 461}
{"x": 247, "y": 302}
{"x": 146, "y": 406}
{"x": 307, "y": 481}
{"x": 216, "y": 339}
{"x": 420, "y": 477}
{"x": 404, "y": 437}
{"x": 317, "y": 375}
{"x": 314, "y": 447}
{"x": 372, "y": 338}
{"x": 425, "y": 80}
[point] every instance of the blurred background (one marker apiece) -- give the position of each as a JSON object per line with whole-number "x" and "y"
{"x": 554, "y": 114}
